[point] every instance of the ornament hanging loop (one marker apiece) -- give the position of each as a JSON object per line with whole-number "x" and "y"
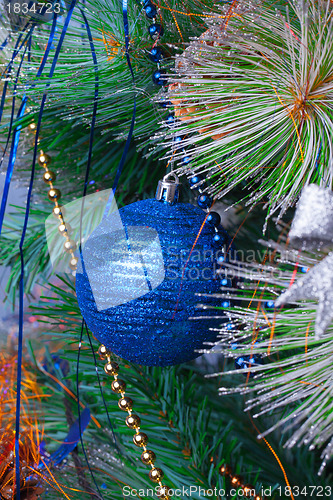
{"x": 168, "y": 189}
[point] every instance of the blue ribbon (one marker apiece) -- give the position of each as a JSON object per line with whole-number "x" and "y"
{"x": 21, "y": 289}
{"x": 130, "y": 132}
{"x": 48, "y": 46}
{"x": 70, "y": 442}
{"x": 15, "y": 142}
{"x": 4, "y": 43}
{"x": 16, "y": 135}
{"x": 94, "y": 113}
{"x": 8, "y": 69}
{"x": 11, "y": 162}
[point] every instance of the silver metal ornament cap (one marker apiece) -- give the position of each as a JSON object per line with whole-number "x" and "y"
{"x": 168, "y": 189}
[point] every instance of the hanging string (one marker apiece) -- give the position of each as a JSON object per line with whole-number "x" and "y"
{"x": 100, "y": 388}
{"x": 79, "y": 411}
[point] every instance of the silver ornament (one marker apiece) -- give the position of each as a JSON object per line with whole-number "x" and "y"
{"x": 312, "y": 227}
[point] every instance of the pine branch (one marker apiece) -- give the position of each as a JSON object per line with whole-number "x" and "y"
{"x": 292, "y": 380}
{"x": 186, "y": 423}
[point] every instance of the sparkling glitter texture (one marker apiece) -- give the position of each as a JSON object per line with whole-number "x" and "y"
{"x": 161, "y": 327}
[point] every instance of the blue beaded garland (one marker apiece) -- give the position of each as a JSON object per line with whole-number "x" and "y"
{"x": 155, "y": 31}
{"x": 170, "y": 119}
{"x": 133, "y": 349}
{"x": 156, "y": 54}
{"x": 222, "y": 259}
{"x": 219, "y": 239}
{"x": 159, "y": 78}
{"x": 226, "y": 282}
{"x": 204, "y": 201}
{"x": 164, "y": 103}
{"x": 177, "y": 141}
{"x": 214, "y": 218}
{"x": 147, "y": 330}
{"x": 150, "y": 10}
{"x": 246, "y": 362}
{"x": 195, "y": 180}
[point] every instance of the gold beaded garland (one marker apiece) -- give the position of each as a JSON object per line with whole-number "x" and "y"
{"x": 133, "y": 421}
{"x": 73, "y": 263}
{"x": 247, "y": 489}
{"x": 49, "y": 176}
{"x": 111, "y": 368}
{"x": 156, "y": 474}
{"x": 148, "y": 457}
{"x": 54, "y": 194}
{"x": 125, "y": 403}
{"x": 236, "y": 480}
{"x": 103, "y": 352}
{"x": 64, "y": 229}
{"x": 140, "y": 439}
{"x": 69, "y": 246}
{"x": 225, "y": 470}
{"x": 44, "y": 159}
{"x": 118, "y": 386}
{"x": 58, "y": 212}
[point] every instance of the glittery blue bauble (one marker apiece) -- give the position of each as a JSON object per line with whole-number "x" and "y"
{"x": 164, "y": 326}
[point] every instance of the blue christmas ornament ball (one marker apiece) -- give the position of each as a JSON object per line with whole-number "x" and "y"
{"x": 159, "y": 323}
